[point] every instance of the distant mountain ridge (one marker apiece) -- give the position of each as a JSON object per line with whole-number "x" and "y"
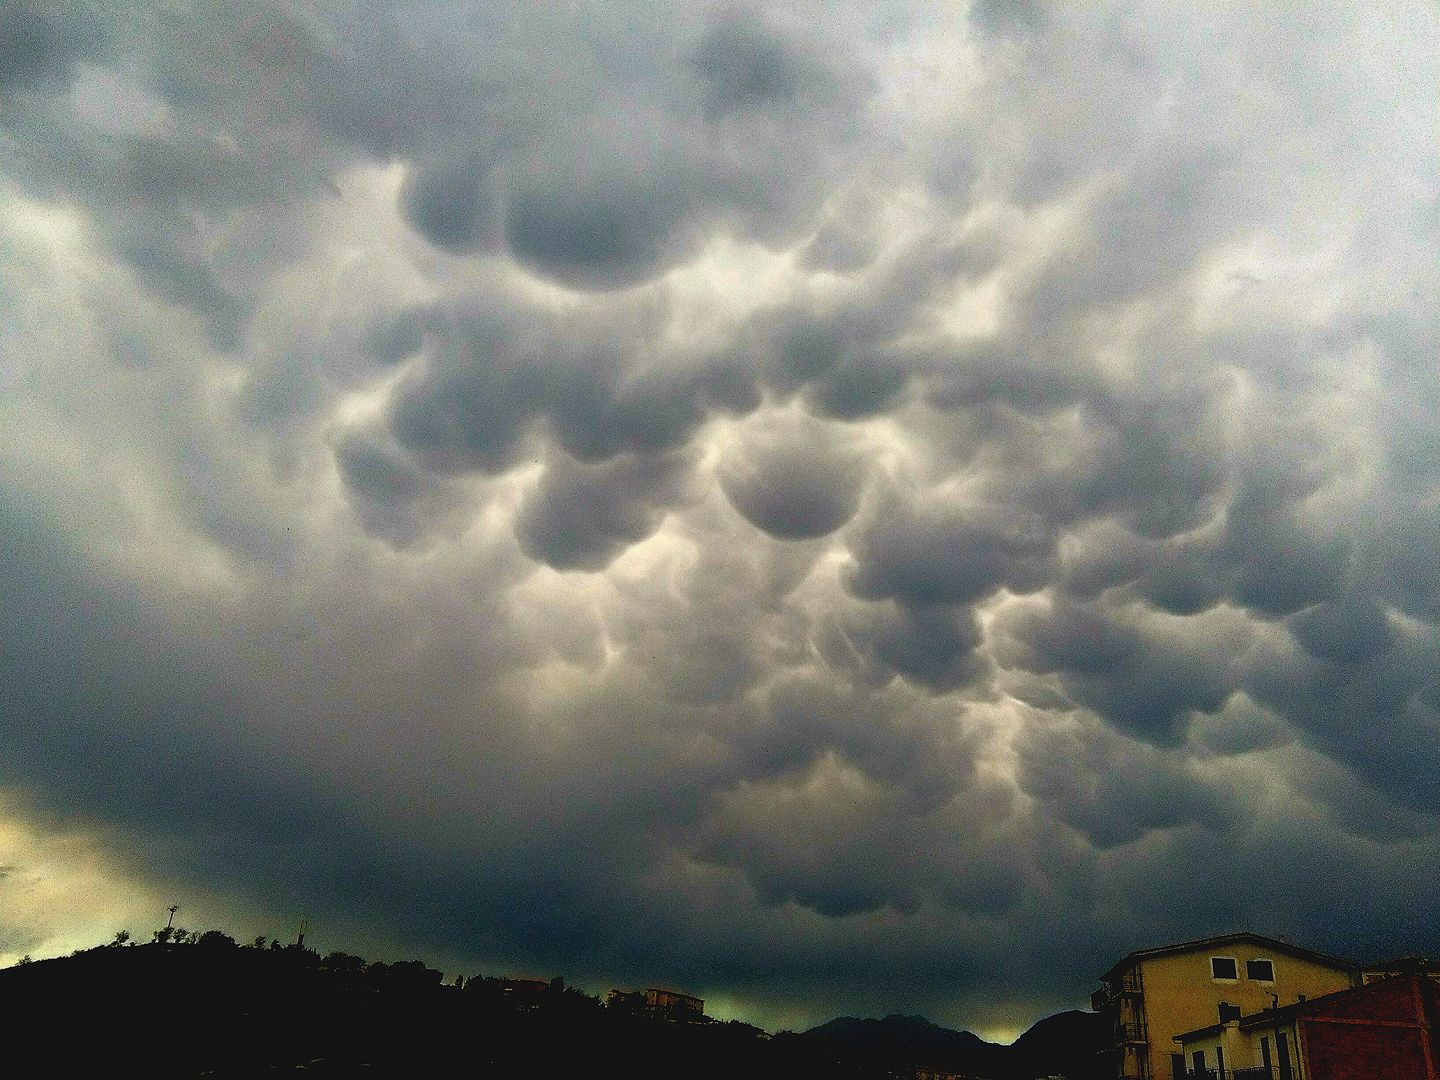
{"x": 1070, "y": 1044}
{"x": 913, "y": 1040}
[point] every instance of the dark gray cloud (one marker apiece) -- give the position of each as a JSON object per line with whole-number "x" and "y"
{"x": 934, "y": 646}
{"x": 663, "y": 130}
{"x": 796, "y": 479}
{"x": 948, "y": 554}
{"x": 451, "y": 203}
{"x": 1141, "y": 673}
{"x": 391, "y": 495}
{"x": 581, "y": 517}
{"x": 40, "y": 41}
{"x": 620, "y": 226}
{"x": 841, "y": 509}
{"x": 1375, "y": 715}
{"x": 1114, "y": 791}
{"x": 492, "y": 376}
{"x": 1344, "y": 630}
{"x": 745, "y": 66}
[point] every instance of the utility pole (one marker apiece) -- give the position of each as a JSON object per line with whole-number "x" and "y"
{"x": 171, "y": 921}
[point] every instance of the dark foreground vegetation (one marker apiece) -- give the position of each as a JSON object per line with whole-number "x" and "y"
{"x": 188, "y": 1006}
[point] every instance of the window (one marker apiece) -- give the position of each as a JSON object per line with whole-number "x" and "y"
{"x": 1260, "y": 970}
{"x": 1282, "y": 1046}
{"x": 1223, "y": 967}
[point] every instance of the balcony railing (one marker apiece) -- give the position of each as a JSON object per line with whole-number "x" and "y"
{"x": 1109, "y": 993}
{"x": 1130, "y": 1031}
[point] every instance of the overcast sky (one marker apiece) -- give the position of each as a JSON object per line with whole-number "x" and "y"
{"x": 837, "y": 508}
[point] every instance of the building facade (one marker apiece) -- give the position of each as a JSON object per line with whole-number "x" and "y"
{"x": 658, "y": 1004}
{"x": 674, "y": 1004}
{"x": 1153, "y": 995}
{"x": 1383, "y": 1030}
{"x": 1401, "y": 965}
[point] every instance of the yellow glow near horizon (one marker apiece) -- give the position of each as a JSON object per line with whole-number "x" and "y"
{"x": 59, "y": 892}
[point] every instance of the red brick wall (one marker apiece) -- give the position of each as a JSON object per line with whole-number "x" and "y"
{"x": 1387, "y": 1000}
{"x": 1372, "y": 1045}
{"x": 1355, "y": 1052}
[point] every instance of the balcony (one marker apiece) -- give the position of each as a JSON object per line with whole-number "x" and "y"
{"x": 1128, "y": 985}
{"x": 1130, "y": 1031}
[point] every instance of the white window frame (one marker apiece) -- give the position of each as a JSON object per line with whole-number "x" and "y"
{"x": 1263, "y": 982}
{"x": 1221, "y": 979}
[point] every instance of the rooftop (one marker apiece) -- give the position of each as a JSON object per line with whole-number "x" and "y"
{"x": 1244, "y": 936}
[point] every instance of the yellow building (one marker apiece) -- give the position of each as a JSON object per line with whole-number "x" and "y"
{"x": 1156, "y": 994}
{"x": 1382, "y": 1030}
{"x": 1266, "y": 1041}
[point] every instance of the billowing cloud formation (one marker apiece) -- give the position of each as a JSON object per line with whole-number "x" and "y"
{"x": 795, "y": 478}
{"x": 818, "y": 506}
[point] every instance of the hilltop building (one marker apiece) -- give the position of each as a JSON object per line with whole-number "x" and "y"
{"x": 674, "y": 1004}
{"x": 1383, "y": 1030}
{"x": 659, "y": 1004}
{"x": 1153, "y": 995}
{"x": 524, "y": 991}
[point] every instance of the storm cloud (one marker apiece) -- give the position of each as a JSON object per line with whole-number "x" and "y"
{"x": 817, "y": 505}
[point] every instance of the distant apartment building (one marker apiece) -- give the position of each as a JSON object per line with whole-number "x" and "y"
{"x": 524, "y": 992}
{"x": 1153, "y": 995}
{"x": 1401, "y": 965}
{"x": 677, "y": 1005}
{"x": 658, "y": 1004}
{"x": 1383, "y": 1030}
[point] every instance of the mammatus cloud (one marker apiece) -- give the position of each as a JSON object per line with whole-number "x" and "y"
{"x": 818, "y": 507}
{"x": 794, "y": 477}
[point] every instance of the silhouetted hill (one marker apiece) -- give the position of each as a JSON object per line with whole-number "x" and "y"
{"x": 218, "y": 1009}
{"x": 1070, "y": 1044}
{"x": 235, "y": 1012}
{"x": 912, "y": 1040}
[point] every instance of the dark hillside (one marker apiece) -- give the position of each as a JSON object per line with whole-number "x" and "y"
{"x": 1069, "y": 1044}
{"x": 217, "y": 1009}
{"x": 191, "y": 1011}
{"x": 913, "y": 1041}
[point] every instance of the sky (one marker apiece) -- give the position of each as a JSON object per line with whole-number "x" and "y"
{"x": 836, "y": 508}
